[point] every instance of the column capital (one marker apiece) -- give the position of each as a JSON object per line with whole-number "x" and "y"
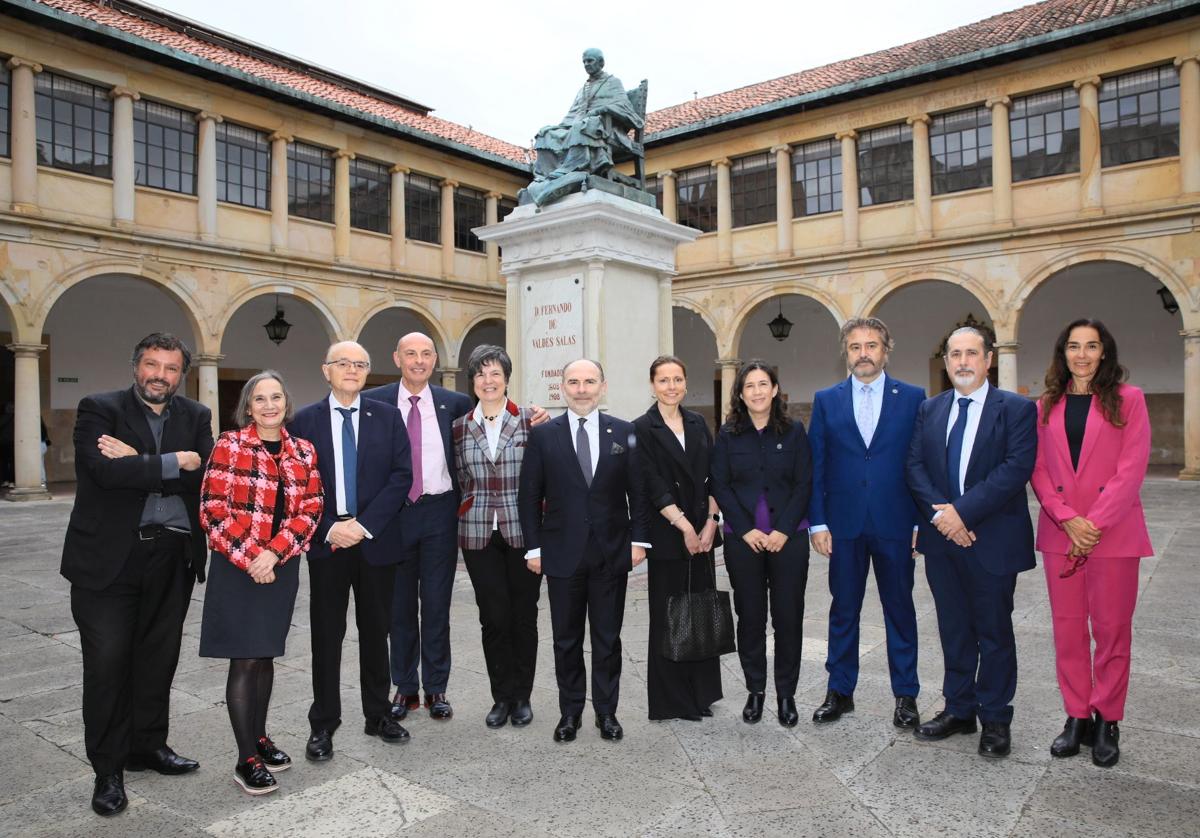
{"x": 448, "y": 183}
{"x": 721, "y": 161}
{"x": 1094, "y": 81}
{"x": 207, "y": 360}
{"x": 596, "y": 263}
{"x": 1186, "y": 334}
{"x": 1183, "y": 59}
{"x": 923, "y": 118}
{"x": 15, "y": 62}
{"x": 397, "y": 169}
{"x": 729, "y": 363}
{"x": 494, "y": 196}
{"x": 848, "y": 134}
{"x": 26, "y": 350}
{"x": 998, "y": 100}
{"x": 118, "y": 92}
{"x": 215, "y": 117}
{"x": 781, "y": 148}
{"x": 338, "y": 154}
{"x": 1006, "y": 347}
{"x": 665, "y": 173}
{"x": 275, "y": 136}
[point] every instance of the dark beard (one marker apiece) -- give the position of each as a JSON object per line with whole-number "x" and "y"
{"x": 150, "y": 398}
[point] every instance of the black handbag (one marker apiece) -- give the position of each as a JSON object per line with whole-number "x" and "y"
{"x": 699, "y": 623}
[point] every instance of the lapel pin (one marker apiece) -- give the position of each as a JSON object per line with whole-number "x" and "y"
{"x": 368, "y": 413}
{"x": 779, "y": 445}
{"x": 895, "y": 391}
{"x": 608, "y": 430}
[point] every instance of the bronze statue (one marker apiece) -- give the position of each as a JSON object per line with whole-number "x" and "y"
{"x": 592, "y": 137}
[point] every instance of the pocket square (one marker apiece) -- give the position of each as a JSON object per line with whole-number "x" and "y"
{"x": 617, "y": 448}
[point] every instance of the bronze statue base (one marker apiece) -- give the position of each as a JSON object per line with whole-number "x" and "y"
{"x": 542, "y": 192}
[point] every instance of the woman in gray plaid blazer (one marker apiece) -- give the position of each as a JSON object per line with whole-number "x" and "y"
{"x": 489, "y": 443}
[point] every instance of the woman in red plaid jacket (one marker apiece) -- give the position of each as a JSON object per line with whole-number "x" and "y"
{"x": 489, "y": 444}
{"x": 259, "y": 503}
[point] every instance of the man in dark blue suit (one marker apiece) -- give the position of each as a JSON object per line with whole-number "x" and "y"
{"x": 972, "y": 453}
{"x": 363, "y": 457}
{"x": 585, "y": 528}
{"x": 862, "y": 514}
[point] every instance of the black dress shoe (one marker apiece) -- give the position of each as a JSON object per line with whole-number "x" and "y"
{"x": 610, "y": 728}
{"x": 943, "y": 725}
{"x": 906, "y": 715}
{"x": 108, "y": 795}
{"x": 752, "y": 712}
{"x": 253, "y": 776}
{"x": 834, "y": 706}
{"x": 439, "y": 707}
{"x": 787, "y": 711}
{"x": 387, "y": 729}
{"x": 498, "y": 715}
{"x": 995, "y": 741}
{"x": 1075, "y": 732}
{"x": 320, "y": 746}
{"x": 706, "y": 712}
{"x": 567, "y": 727}
{"x": 1106, "y": 737}
{"x": 522, "y": 713}
{"x": 164, "y": 761}
{"x": 273, "y": 758}
{"x": 402, "y": 703}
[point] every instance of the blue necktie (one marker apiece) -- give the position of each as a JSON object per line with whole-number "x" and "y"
{"x": 350, "y": 460}
{"x": 954, "y": 446}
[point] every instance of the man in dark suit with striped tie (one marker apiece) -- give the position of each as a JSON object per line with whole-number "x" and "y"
{"x": 366, "y": 469}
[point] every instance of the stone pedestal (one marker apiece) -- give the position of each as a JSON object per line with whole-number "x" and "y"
{"x": 583, "y": 277}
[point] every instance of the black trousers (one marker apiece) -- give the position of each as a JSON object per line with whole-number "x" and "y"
{"x": 331, "y": 578}
{"x": 130, "y": 634}
{"x": 775, "y": 578}
{"x": 507, "y": 595}
{"x": 596, "y": 593}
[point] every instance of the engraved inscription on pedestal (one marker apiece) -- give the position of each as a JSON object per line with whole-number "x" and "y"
{"x": 551, "y": 335}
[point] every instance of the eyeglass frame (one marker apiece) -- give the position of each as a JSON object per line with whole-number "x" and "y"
{"x": 345, "y": 364}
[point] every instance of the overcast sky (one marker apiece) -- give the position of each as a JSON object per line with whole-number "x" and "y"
{"x": 506, "y": 68}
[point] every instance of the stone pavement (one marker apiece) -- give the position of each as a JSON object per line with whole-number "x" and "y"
{"x": 859, "y": 777}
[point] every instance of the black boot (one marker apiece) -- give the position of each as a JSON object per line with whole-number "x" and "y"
{"x": 1075, "y": 732}
{"x": 1105, "y": 736}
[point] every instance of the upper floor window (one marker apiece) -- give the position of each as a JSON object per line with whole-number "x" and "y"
{"x": 1044, "y": 134}
{"x": 5, "y": 93}
{"x": 370, "y": 196}
{"x": 310, "y": 182}
{"x": 164, "y": 147}
{"x": 1139, "y": 116}
{"x": 243, "y": 166}
{"x": 752, "y": 189}
{"x": 655, "y": 187}
{"x": 422, "y": 209}
{"x": 696, "y": 198}
{"x": 960, "y": 150}
{"x": 885, "y": 170}
{"x": 74, "y": 125}
{"x": 470, "y": 210}
{"x": 816, "y": 178}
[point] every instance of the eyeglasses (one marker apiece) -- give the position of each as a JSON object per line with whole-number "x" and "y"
{"x": 343, "y": 364}
{"x": 1076, "y": 564}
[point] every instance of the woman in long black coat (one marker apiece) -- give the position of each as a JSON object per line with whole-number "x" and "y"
{"x": 673, "y": 447}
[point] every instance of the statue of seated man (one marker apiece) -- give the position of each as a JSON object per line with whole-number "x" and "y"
{"x": 600, "y": 118}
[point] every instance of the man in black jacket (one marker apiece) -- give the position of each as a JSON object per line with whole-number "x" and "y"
{"x": 133, "y": 550}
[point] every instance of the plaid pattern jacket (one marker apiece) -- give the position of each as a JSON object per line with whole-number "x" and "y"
{"x": 489, "y": 488}
{"x": 237, "y": 497}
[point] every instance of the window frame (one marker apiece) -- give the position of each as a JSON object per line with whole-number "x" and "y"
{"x": 1120, "y": 111}
{"x": 467, "y": 197}
{"x": 950, "y": 145}
{"x": 422, "y": 203}
{"x": 5, "y": 110}
{"x": 246, "y": 140}
{"x": 370, "y": 195}
{"x": 1034, "y": 124}
{"x": 896, "y": 189}
{"x": 752, "y": 190}
{"x": 49, "y": 107}
{"x": 143, "y": 169}
{"x": 828, "y": 183}
{"x": 698, "y": 212}
{"x": 310, "y": 166}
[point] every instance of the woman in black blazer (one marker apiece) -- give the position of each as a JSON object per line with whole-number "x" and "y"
{"x": 762, "y": 479}
{"x": 674, "y": 446}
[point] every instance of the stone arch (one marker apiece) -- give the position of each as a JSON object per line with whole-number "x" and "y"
{"x": 701, "y": 311}
{"x": 987, "y": 301}
{"x": 478, "y": 320}
{"x": 441, "y": 343}
{"x": 742, "y": 315}
{"x": 333, "y": 328}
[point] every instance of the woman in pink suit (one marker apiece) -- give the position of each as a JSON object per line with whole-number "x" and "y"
{"x": 1093, "y": 447}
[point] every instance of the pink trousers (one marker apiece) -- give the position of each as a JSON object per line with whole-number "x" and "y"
{"x": 1103, "y": 593}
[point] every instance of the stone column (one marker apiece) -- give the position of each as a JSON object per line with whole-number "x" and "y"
{"x": 27, "y": 423}
{"x": 1002, "y": 212}
{"x": 122, "y": 155}
{"x": 206, "y": 175}
{"x": 724, "y": 212}
{"x": 849, "y": 141}
{"x": 23, "y": 136}
{"x": 1006, "y": 365}
{"x": 729, "y": 368}
{"x": 341, "y": 204}
{"x": 512, "y": 331}
{"x": 450, "y": 377}
{"x": 491, "y": 215}
{"x": 922, "y": 178}
{"x": 206, "y": 379}
{"x": 279, "y": 190}
{"x": 1091, "y": 195}
{"x": 399, "y": 251}
{"x": 666, "y": 320}
{"x": 448, "y": 187}
{"x": 593, "y": 299}
{"x": 783, "y": 199}
{"x": 1191, "y": 405}
{"x": 670, "y": 208}
{"x": 1189, "y": 124}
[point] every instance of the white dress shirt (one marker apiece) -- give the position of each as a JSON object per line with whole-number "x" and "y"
{"x": 491, "y": 430}
{"x": 335, "y": 426}
{"x": 974, "y": 411}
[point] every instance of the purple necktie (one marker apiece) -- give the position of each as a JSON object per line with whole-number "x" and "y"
{"x": 414, "y": 442}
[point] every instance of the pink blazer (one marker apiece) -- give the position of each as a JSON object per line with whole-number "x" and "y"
{"x": 1112, "y": 466}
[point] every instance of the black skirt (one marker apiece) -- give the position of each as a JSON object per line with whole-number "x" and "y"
{"x": 243, "y": 619}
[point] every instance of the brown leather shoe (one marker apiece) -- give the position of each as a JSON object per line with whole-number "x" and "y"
{"x": 439, "y": 707}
